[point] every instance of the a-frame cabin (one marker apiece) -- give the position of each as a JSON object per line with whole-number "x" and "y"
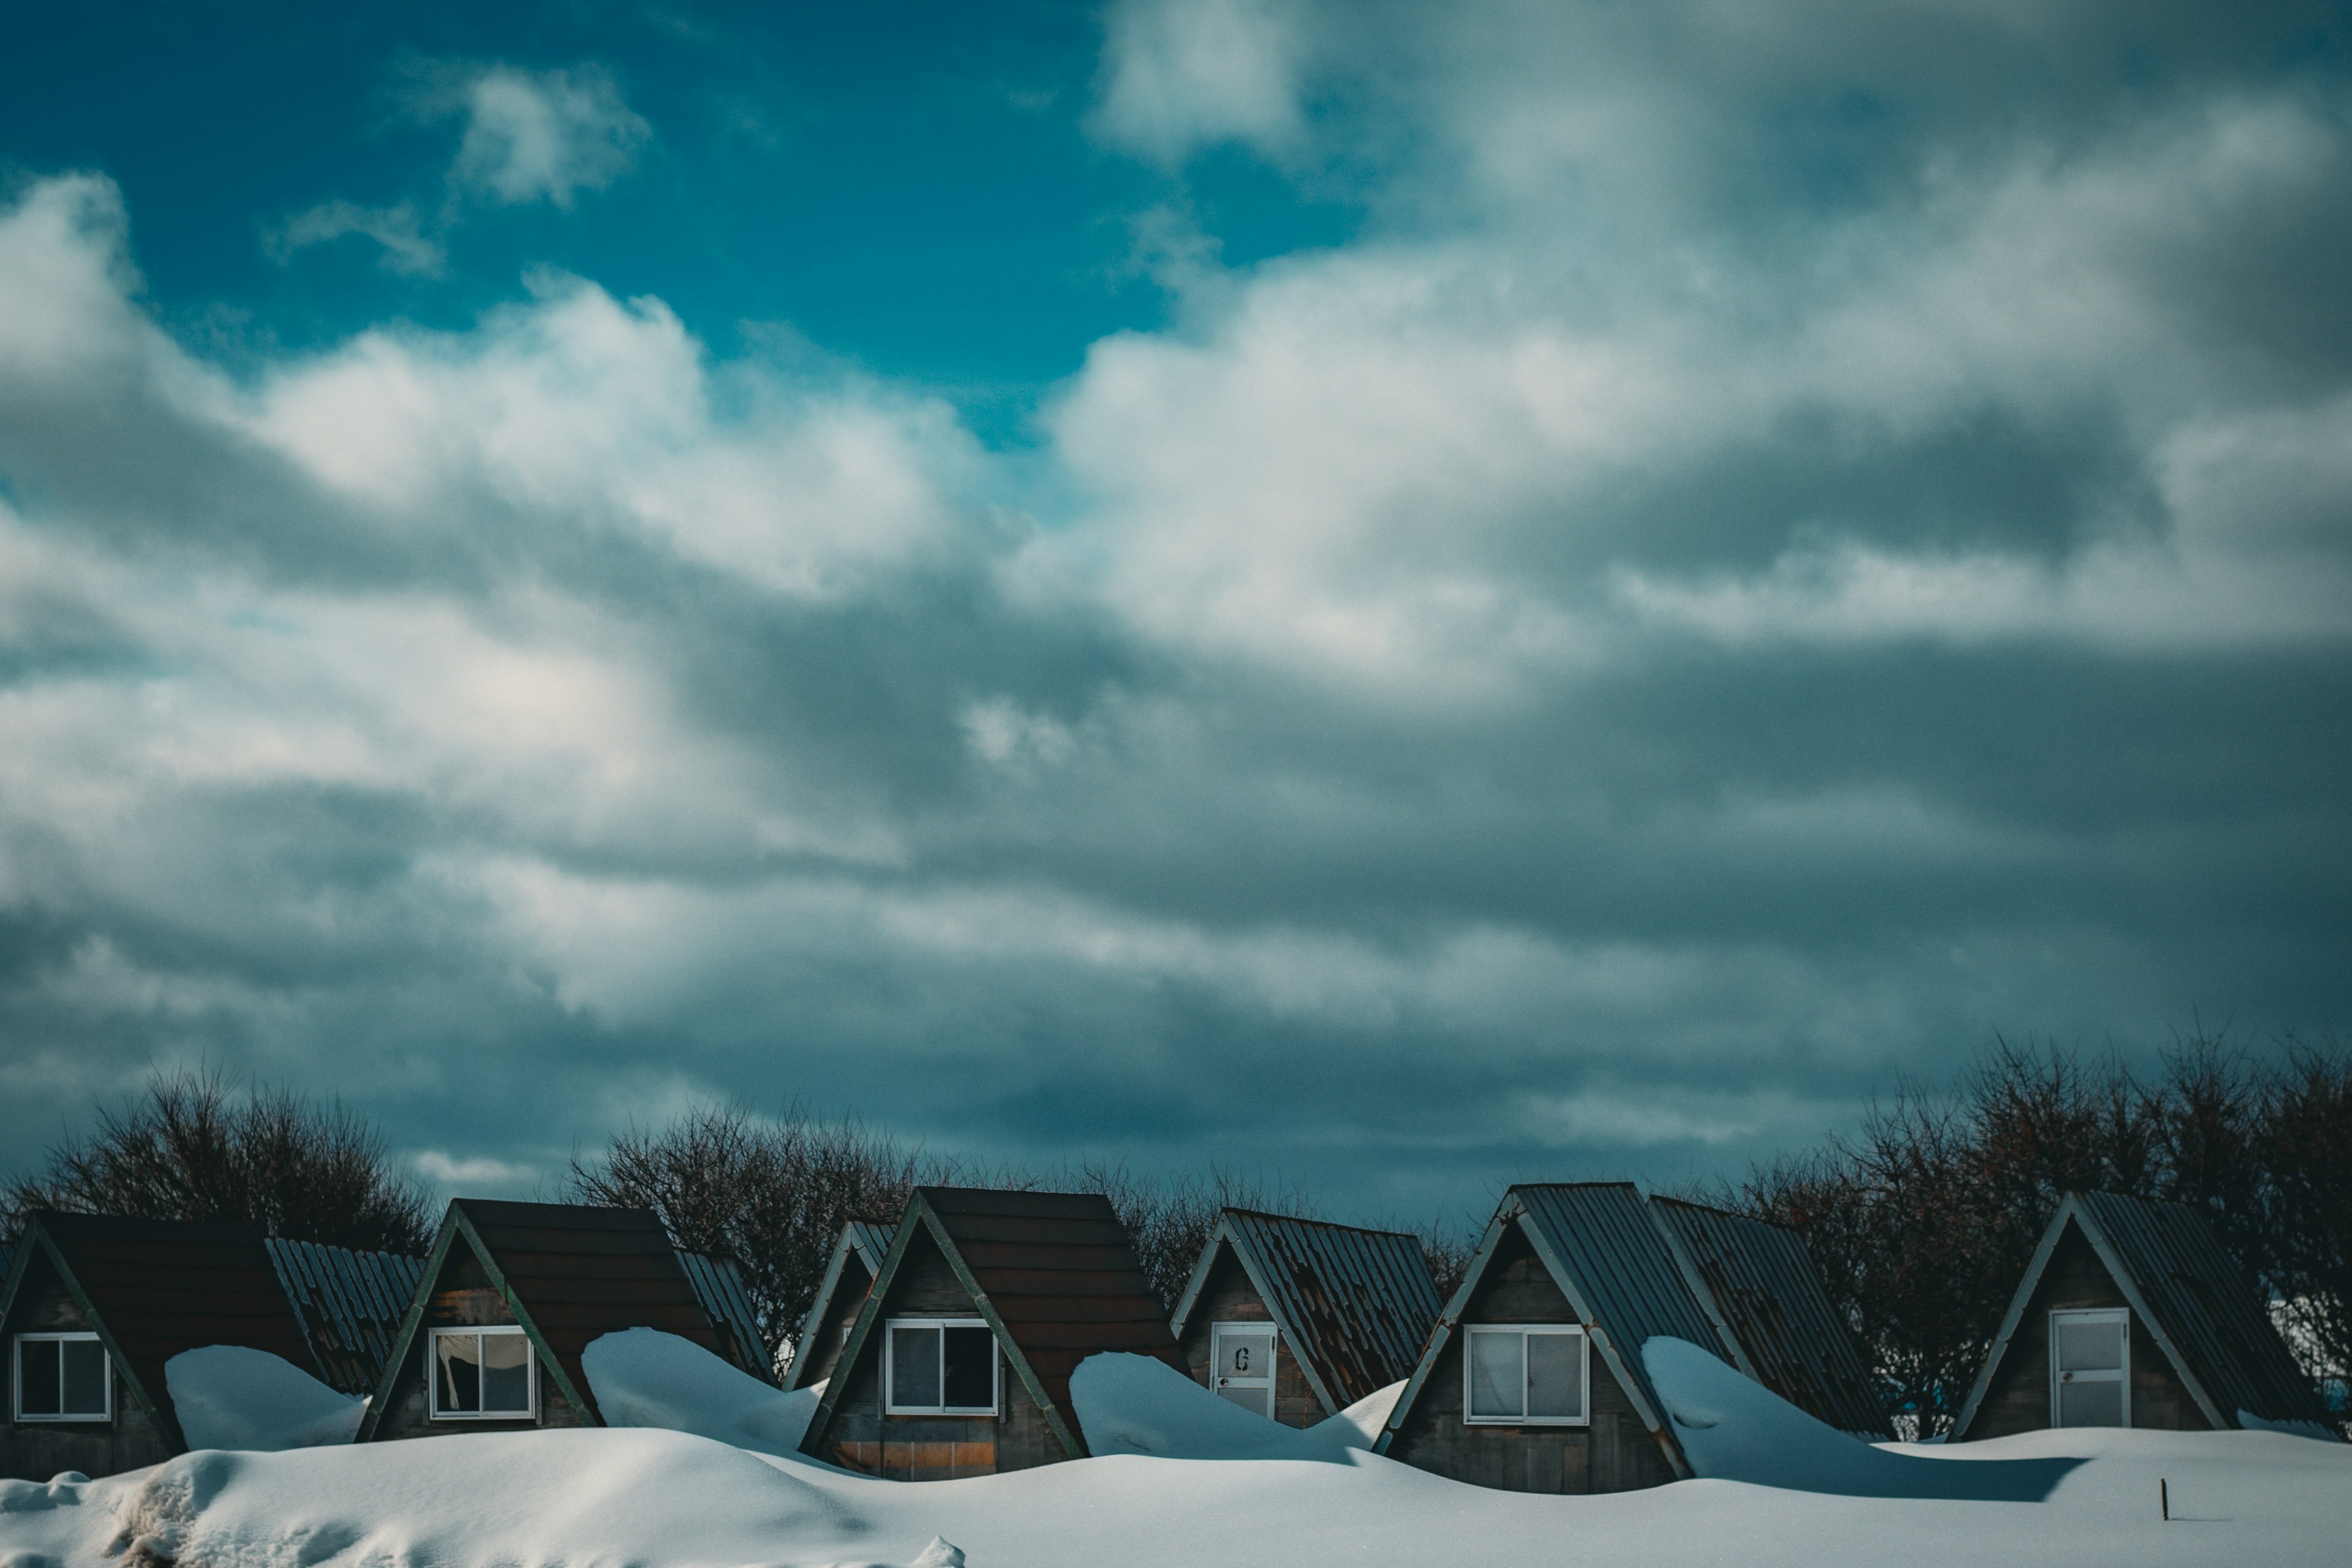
{"x": 1533, "y": 1379}
{"x": 2132, "y": 1314}
{"x": 1298, "y": 1319}
{"x": 510, "y": 1295}
{"x": 93, "y": 1308}
{"x": 959, "y": 1361}
{"x": 849, "y": 1273}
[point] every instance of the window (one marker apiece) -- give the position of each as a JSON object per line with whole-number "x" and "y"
{"x": 939, "y": 1366}
{"x": 1525, "y": 1374}
{"x": 2090, "y": 1368}
{"x": 484, "y": 1374}
{"x": 63, "y": 1377}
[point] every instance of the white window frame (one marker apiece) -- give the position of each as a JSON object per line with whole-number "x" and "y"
{"x": 17, "y": 1376}
{"x": 433, "y": 1374}
{"x": 1583, "y": 1418}
{"x": 2123, "y": 1368}
{"x": 889, "y": 1357}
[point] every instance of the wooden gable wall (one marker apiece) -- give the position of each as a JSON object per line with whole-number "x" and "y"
{"x": 1614, "y": 1452}
{"x": 1228, "y": 1297}
{"x": 462, "y": 1296}
{"x": 2017, "y": 1398}
{"x": 36, "y": 1450}
{"x": 862, "y": 1437}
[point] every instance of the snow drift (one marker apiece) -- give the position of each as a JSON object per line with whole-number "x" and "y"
{"x": 643, "y": 1377}
{"x": 1136, "y": 1404}
{"x": 230, "y": 1396}
{"x": 1733, "y": 1429}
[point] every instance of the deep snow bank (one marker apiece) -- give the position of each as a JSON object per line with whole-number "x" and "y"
{"x": 667, "y": 1499}
{"x": 229, "y": 1397}
{"x": 643, "y": 1377}
{"x": 1738, "y": 1430}
{"x": 1135, "y": 1405}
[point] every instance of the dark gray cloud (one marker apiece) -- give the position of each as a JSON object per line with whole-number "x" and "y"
{"x": 1800, "y": 536}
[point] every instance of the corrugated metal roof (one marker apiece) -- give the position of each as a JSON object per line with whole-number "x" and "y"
{"x": 2203, "y": 1307}
{"x": 160, "y": 1287}
{"x": 1355, "y": 1306}
{"x": 857, "y": 1255}
{"x": 1601, "y": 1234}
{"x": 719, "y": 1285}
{"x": 1767, "y": 1292}
{"x": 351, "y": 1303}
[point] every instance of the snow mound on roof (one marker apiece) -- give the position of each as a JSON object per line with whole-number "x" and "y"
{"x": 1136, "y": 1405}
{"x": 643, "y": 1377}
{"x": 230, "y": 1396}
{"x": 1733, "y": 1429}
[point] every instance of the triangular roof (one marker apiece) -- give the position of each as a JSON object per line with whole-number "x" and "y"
{"x": 1053, "y": 1274}
{"x": 154, "y": 1288}
{"x": 2194, "y": 1303}
{"x": 857, "y": 1251}
{"x": 1758, "y": 1282}
{"x": 570, "y": 1273}
{"x": 1355, "y": 1306}
{"x": 1610, "y": 1258}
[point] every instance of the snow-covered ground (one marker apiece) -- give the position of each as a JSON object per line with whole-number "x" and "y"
{"x": 676, "y": 1499}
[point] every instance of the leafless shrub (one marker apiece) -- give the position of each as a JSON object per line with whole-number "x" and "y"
{"x": 193, "y": 1149}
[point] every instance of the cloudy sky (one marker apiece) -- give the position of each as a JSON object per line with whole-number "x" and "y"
{"x": 1394, "y": 595}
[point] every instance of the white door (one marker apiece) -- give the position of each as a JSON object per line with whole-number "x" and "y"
{"x": 1242, "y": 1361}
{"x": 2090, "y": 1368}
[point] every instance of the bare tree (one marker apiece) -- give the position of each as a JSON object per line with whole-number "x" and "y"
{"x": 772, "y": 1195}
{"x": 1170, "y": 1219}
{"x": 192, "y": 1148}
{"x": 1922, "y": 1223}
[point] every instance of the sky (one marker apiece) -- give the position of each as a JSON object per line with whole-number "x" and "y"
{"x": 1390, "y": 597}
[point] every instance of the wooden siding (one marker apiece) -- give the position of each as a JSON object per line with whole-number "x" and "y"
{"x": 462, "y": 1297}
{"x": 1228, "y": 1297}
{"x": 2017, "y": 1397}
{"x": 1614, "y": 1453}
{"x": 36, "y": 1450}
{"x": 862, "y": 1437}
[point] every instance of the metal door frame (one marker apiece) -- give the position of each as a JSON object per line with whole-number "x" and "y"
{"x": 2121, "y": 1316}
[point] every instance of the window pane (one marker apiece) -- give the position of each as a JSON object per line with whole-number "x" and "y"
{"x": 39, "y": 1391}
{"x": 459, "y": 1376}
{"x": 85, "y": 1377}
{"x": 1498, "y": 1373}
{"x": 971, "y": 1369}
{"x": 1245, "y": 1354}
{"x": 2091, "y": 1404}
{"x": 506, "y": 1372}
{"x": 915, "y": 1367}
{"x": 1556, "y": 1374}
{"x": 2092, "y": 1346}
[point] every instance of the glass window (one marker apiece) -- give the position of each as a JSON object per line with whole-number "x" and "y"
{"x": 1556, "y": 1376}
{"x": 1497, "y": 1370}
{"x": 914, "y": 1366}
{"x": 940, "y": 1367}
{"x": 483, "y": 1374}
{"x": 969, "y": 1355}
{"x": 1525, "y": 1374}
{"x": 63, "y": 1377}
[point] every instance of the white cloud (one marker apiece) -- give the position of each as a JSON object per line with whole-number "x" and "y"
{"x": 1183, "y": 74}
{"x": 544, "y": 135}
{"x": 406, "y": 247}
